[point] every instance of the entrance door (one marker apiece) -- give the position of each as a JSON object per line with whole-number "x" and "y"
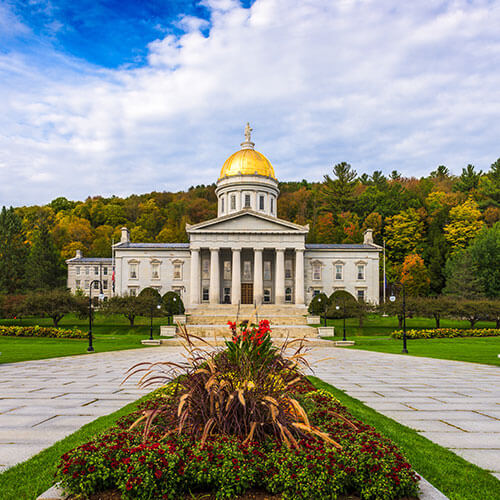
{"x": 247, "y": 293}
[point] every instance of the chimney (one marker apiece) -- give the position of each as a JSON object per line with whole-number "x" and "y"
{"x": 125, "y": 236}
{"x": 368, "y": 237}
{"x": 78, "y": 254}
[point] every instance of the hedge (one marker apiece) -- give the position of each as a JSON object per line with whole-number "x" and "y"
{"x": 41, "y": 331}
{"x": 446, "y": 333}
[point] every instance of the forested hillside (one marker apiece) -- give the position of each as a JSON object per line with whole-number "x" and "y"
{"x": 434, "y": 227}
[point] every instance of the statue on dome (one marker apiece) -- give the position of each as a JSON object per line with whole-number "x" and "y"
{"x": 248, "y": 132}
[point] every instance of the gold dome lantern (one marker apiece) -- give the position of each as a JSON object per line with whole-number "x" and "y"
{"x": 247, "y": 161}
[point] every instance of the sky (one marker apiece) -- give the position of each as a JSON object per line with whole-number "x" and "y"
{"x": 114, "y": 97}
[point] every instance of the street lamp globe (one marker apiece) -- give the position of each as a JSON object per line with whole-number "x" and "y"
{"x": 392, "y": 298}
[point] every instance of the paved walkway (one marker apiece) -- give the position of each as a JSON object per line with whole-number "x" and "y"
{"x": 43, "y": 401}
{"x": 454, "y": 404}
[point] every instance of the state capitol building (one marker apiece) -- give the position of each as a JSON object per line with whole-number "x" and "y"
{"x": 245, "y": 255}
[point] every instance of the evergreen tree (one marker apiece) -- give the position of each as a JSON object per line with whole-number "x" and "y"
{"x": 461, "y": 277}
{"x": 468, "y": 180}
{"x": 337, "y": 195}
{"x": 44, "y": 268}
{"x": 13, "y": 251}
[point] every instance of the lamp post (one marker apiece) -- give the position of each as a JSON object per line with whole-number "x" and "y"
{"x": 151, "y": 320}
{"x": 392, "y": 298}
{"x": 320, "y": 301}
{"x": 343, "y": 314}
{"x": 90, "y": 348}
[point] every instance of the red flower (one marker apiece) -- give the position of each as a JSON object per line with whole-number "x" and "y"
{"x": 158, "y": 473}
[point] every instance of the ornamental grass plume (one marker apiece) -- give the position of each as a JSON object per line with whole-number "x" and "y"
{"x": 243, "y": 390}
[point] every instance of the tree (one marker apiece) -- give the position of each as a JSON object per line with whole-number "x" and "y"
{"x": 434, "y": 307}
{"x": 172, "y": 304}
{"x": 319, "y": 304}
{"x": 337, "y": 195}
{"x": 12, "y": 306}
{"x": 414, "y": 276}
{"x": 484, "y": 252}
{"x": 461, "y": 277}
{"x": 468, "y": 180}
{"x": 53, "y": 304}
{"x": 471, "y": 310}
{"x": 465, "y": 224}
{"x": 404, "y": 234}
{"x": 13, "y": 251}
{"x": 44, "y": 268}
{"x": 128, "y": 305}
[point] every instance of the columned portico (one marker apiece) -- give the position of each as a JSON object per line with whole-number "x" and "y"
{"x": 214, "y": 276}
{"x": 236, "y": 276}
{"x": 258, "y": 283}
{"x": 195, "y": 276}
{"x": 280, "y": 276}
{"x": 299, "y": 276}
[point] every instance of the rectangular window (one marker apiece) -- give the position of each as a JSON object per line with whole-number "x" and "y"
{"x": 267, "y": 295}
{"x": 77, "y": 270}
{"x": 105, "y": 284}
{"x": 267, "y": 270}
{"x": 132, "y": 292}
{"x": 233, "y": 202}
{"x": 247, "y": 201}
{"x": 205, "y": 294}
{"x": 272, "y": 205}
{"x": 288, "y": 269}
{"x": 361, "y": 295}
{"x": 261, "y": 202}
{"x": 222, "y": 205}
{"x": 177, "y": 271}
{"x": 227, "y": 270}
{"x": 226, "y": 299}
{"x": 338, "y": 271}
{"x": 316, "y": 271}
{"x": 133, "y": 271}
{"x": 77, "y": 283}
{"x": 96, "y": 285}
{"x": 205, "y": 269}
{"x": 247, "y": 270}
{"x": 96, "y": 270}
{"x": 361, "y": 272}
{"x": 155, "y": 270}
{"x": 316, "y": 292}
{"x": 87, "y": 283}
{"x": 105, "y": 271}
{"x": 288, "y": 294}
{"x": 87, "y": 270}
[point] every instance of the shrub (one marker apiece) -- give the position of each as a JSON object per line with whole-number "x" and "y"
{"x": 443, "y": 333}
{"x": 41, "y": 331}
{"x": 319, "y": 304}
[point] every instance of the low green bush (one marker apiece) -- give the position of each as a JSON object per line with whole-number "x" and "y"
{"x": 446, "y": 333}
{"x": 41, "y": 331}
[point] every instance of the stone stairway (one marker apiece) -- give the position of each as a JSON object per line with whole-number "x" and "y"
{"x": 285, "y": 320}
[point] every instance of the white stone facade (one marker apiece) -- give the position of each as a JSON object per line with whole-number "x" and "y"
{"x": 246, "y": 255}
{"x": 82, "y": 271}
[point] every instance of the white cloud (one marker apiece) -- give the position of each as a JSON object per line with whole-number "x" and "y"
{"x": 381, "y": 84}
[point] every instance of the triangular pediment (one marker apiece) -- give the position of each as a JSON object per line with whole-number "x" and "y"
{"x": 247, "y": 221}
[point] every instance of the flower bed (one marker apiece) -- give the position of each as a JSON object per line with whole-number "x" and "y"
{"x": 41, "y": 331}
{"x": 235, "y": 421}
{"x": 446, "y": 333}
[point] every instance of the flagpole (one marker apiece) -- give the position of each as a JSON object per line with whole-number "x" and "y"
{"x": 113, "y": 266}
{"x": 385, "y": 281}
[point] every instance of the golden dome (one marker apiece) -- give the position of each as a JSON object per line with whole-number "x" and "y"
{"x": 247, "y": 162}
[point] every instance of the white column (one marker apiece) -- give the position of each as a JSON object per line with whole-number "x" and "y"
{"x": 299, "y": 276}
{"x": 195, "y": 276}
{"x": 236, "y": 276}
{"x": 258, "y": 282}
{"x": 280, "y": 276}
{"x": 214, "y": 276}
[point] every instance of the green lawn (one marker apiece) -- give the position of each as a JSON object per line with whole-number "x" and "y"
{"x": 476, "y": 350}
{"x": 375, "y": 325}
{"x": 111, "y": 333}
